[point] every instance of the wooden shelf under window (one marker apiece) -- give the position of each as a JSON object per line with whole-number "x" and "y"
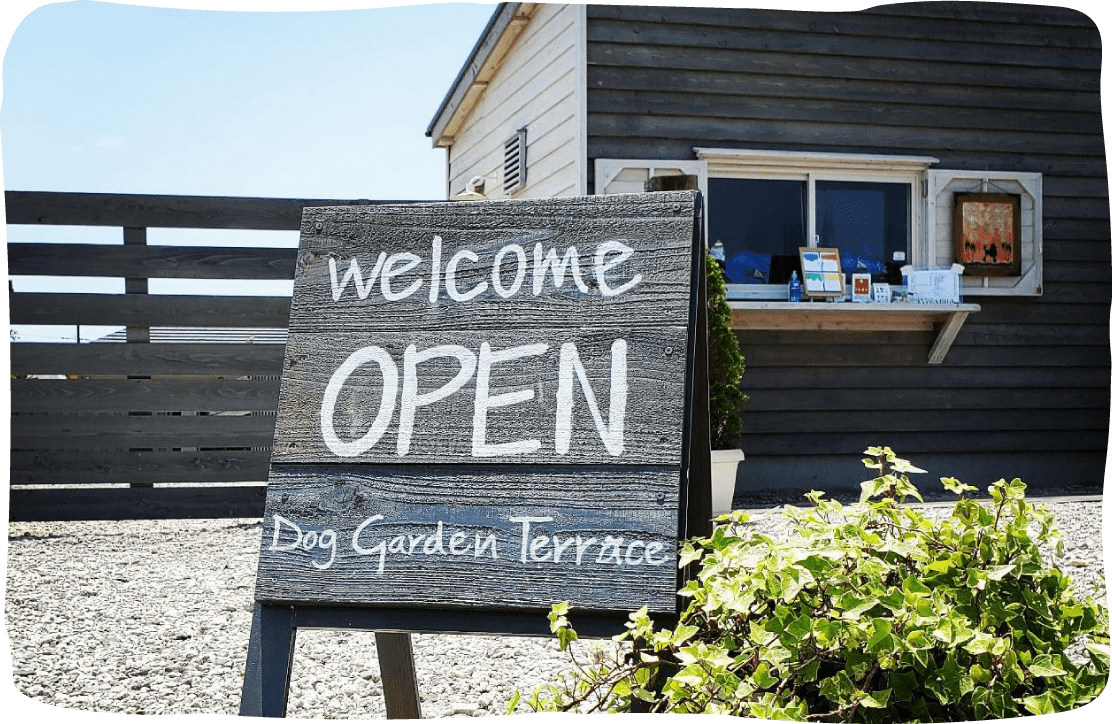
{"x": 850, "y": 316}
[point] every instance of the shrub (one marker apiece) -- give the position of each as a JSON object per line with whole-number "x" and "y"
{"x": 726, "y": 365}
{"x": 866, "y": 613}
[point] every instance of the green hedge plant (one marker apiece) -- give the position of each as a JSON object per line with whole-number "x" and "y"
{"x": 726, "y": 365}
{"x": 875, "y": 612}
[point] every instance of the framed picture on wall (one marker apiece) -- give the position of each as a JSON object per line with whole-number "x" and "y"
{"x": 986, "y": 234}
{"x": 822, "y": 272}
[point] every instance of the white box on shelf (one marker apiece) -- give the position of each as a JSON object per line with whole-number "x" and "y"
{"x": 935, "y": 286}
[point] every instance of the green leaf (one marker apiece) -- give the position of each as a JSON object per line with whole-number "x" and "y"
{"x": 837, "y": 689}
{"x": 881, "y": 639}
{"x": 955, "y": 486}
{"x": 688, "y": 554}
{"x": 1047, "y": 665}
{"x": 683, "y": 633}
{"x": 912, "y": 586}
{"x": 800, "y": 627}
{"x": 997, "y": 573}
{"x": 762, "y": 678}
{"x": 856, "y": 606}
{"x": 1041, "y": 704}
{"x": 876, "y": 699}
{"x": 980, "y": 674}
{"x": 511, "y": 706}
{"x": 917, "y": 640}
{"x": 903, "y": 466}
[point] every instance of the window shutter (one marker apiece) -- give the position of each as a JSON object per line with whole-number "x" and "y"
{"x": 628, "y": 176}
{"x": 513, "y": 164}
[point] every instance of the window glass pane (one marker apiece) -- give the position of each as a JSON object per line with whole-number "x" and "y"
{"x": 869, "y": 223}
{"x": 761, "y": 225}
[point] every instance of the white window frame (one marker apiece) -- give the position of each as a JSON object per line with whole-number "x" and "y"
{"x": 942, "y": 184}
{"x": 932, "y": 192}
{"x": 810, "y": 168}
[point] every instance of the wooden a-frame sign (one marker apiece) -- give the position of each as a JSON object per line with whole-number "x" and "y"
{"x": 486, "y": 408}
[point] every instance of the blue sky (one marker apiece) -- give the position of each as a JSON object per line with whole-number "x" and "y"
{"x": 108, "y": 98}
{"x": 102, "y": 97}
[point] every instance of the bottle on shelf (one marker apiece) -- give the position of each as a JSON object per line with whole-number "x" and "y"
{"x": 795, "y": 289}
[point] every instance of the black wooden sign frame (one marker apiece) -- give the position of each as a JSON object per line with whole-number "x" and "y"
{"x": 275, "y": 620}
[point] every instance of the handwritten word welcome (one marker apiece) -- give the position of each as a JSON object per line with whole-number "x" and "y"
{"x": 507, "y": 273}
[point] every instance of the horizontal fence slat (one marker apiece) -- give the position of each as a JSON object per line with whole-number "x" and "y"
{"x": 73, "y": 432}
{"x": 141, "y": 210}
{"x": 792, "y": 378}
{"x": 230, "y": 360}
{"x": 865, "y": 398}
{"x": 908, "y": 444}
{"x": 146, "y": 466}
{"x": 143, "y": 395}
{"x": 149, "y": 310}
{"x": 788, "y": 478}
{"x": 760, "y": 355}
{"x": 239, "y": 501}
{"x": 970, "y": 422}
{"x": 144, "y": 262}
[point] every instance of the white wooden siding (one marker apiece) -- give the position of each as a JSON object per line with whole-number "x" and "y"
{"x": 537, "y": 88}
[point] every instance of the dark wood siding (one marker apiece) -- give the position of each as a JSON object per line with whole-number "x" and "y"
{"x": 1025, "y": 389}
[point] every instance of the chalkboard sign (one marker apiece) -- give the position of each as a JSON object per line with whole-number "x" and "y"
{"x": 486, "y": 405}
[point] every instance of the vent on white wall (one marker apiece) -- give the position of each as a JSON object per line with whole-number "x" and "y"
{"x": 513, "y": 164}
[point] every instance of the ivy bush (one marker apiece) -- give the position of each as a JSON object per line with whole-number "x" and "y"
{"x": 725, "y": 363}
{"x": 866, "y": 613}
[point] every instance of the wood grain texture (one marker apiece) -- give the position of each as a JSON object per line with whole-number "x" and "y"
{"x": 37, "y": 395}
{"x": 709, "y": 58}
{"x": 928, "y": 74}
{"x": 107, "y": 431}
{"x": 973, "y": 422}
{"x": 942, "y": 50}
{"x": 58, "y": 467}
{"x": 168, "y": 262}
{"x": 770, "y": 85}
{"x": 225, "y": 501}
{"x": 604, "y": 505}
{"x": 635, "y": 504}
{"x": 921, "y": 398}
{"x": 149, "y": 310}
{"x": 913, "y": 444}
{"x": 991, "y": 25}
{"x": 847, "y": 109}
{"x": 1041, "y": 470}
{"x": 443, "y": 431}
{"x": 657, "y": 227}
{"x": 189, "y": 360}
{"x": 142, "y": 210}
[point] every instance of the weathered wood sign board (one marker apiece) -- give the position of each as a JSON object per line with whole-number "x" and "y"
{"x": 483, "y": 405}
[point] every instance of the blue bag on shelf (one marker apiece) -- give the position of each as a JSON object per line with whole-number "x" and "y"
{"x": 748, "y": 268}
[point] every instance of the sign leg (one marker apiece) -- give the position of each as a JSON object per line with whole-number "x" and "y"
{"x": 266, "y": 681}
{"x": 399, "y": 675}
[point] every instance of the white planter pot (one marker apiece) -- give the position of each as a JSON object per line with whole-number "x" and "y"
{"x": 723, "y": 473}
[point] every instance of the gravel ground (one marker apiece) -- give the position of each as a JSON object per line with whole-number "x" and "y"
{"x": 153, "y": 617}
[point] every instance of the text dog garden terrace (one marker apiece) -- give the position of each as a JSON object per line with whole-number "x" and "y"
{"x": 484, "y": 405}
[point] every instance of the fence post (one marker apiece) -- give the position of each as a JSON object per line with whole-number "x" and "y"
{"x": 136, "y": 334}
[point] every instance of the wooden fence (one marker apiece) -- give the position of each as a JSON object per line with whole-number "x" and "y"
{"x": 198, "y": 411}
